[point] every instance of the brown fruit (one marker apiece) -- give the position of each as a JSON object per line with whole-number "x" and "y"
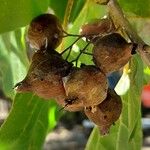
{"x": 44, "y": 78}
{"x": 107, "y": 112}
{"x": 86, "y": 86}
{"x": 45, "y": 74}
{"x": 111, "y": 52}
{"x": 73, "y": 105}
{"x": 100, "y": 27}
{"x": 45, "y": 31}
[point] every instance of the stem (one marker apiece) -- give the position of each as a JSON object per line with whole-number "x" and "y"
{"x": 120, "y": 20}
{"x": 68, "y": 34}
{"x": 67, "y": 14}
{"x": 68, "y": 54}
{"x": 70, "y": 47}
{"x": 81, "y": 51}
{"x": 66, "y": 19}
{"x": 79, "y": 35}
{"x": 74, "y": 35}
{"x": 87, "y": 53}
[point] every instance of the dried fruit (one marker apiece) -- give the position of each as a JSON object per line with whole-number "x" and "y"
{"x": 73, "y": 105}
{"x": 45, "y": 74}
{"x": 45, "y": 31}
{"x": 98, "y": 28}
{"x": 86, "y": 86}
{"x": 107, "y": 112}
{"x": 112, "y": 52}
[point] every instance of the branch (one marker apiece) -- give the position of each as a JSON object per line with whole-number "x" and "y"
{"x": 66, "y": 19}
{"x": 67, "y": 14}
{"x": 120, "y": 20}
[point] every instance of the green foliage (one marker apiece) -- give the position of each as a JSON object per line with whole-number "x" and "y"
{"x": 13, "y": 60}
{"x": 126, "y": 134}
{"x": 19, "y": 13}
{"x": 87, "y": 14}
{"x": 27, "y": 124}
{"x": 31, "y": 117}
{"x": 53, "y": 114}
{"x": 59, "y": 8}
{"x": 138, "y": 7}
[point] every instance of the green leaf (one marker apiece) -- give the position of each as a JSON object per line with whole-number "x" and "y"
{"x": 26, "y": 125}
{"x": 138, "y": 7}
{"x": 126, "y": 134}
{"x": 13, "y": 60}
{"x": 19, "y": 13}
{"x": 77, "y": 7}
{"x": 58, "y": 7}
{"x": 86, "y": 14}
{"x": 53, "y": 114}
{"x": 146, "y": 74}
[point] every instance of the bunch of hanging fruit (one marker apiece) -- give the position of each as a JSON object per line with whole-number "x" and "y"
{"x": 83, "y": 88}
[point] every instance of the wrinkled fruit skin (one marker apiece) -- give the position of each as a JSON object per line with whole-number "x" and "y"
{"x": 45, "y": 26}
{"x": 44, "y": 78}
{"x": 45, "y": 74}
{"x": 107, "y": 112}
{"x": 111, "y": 52}
{"x": 87, "y": 85}
{"x": 73, "y": 105}
{"x": 100, "y": 27}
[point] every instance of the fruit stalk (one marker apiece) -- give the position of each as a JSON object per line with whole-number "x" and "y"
{"x": 120, "y": 20}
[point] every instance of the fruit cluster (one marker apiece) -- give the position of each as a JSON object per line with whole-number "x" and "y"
{"x": 81, "y": 88}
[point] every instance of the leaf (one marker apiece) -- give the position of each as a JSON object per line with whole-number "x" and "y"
{"x": 13, "y": 61}
{"x": 138, "y": 7}
{"x": 59, "y": 8}
{"x": 77, "y": 7}
{"x": 86, "y": 14}
{"x": 123, "y": 84}
{"x": 19, "y": 13}
{"x": 126, "y": 134}
{"x": 27, "y": 123}
{"x": 53, "y": 114}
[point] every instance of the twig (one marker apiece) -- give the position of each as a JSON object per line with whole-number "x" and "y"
{"x": 68, "y": 102}
{"x": 68, "y": 34}
{"x": 120, "y": 20}
{"x": 81, "y": 51}
{"x": 80, "y": 35}
{"x": 67, "y": 13}
{"x": 66, "y": 19}
{"x": 87, "y": 53}
{"x": 69, "y": 53}
{"x": 70, "y": 47}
